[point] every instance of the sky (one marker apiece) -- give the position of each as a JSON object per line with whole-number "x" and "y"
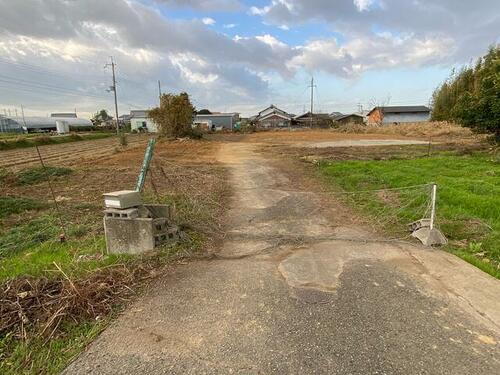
{"x": 235, "y": 55}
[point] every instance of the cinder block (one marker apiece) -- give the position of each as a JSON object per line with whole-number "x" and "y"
{"x": 129, "y": 213}
{"x": 122, "y": 199}
{"x": 125, "y": 236}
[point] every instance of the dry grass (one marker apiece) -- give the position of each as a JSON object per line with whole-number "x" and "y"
{"x": 414, "y": 129}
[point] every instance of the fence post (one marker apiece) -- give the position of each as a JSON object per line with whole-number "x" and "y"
{"x": 433, "y": 204}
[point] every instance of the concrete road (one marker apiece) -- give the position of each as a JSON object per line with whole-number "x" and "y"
{"x": 293, "y": 291}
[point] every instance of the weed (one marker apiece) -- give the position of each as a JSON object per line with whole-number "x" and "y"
{"x": 16, "y": 205}
{"x": 123, "y": 139}
{"x": 27, "y": 235}
{"x": 34, "y": 175}
{"x": 24, "y": 141}
{"x": 39, "y": 356}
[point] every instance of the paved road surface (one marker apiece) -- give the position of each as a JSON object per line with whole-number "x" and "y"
{"x": 291, "y": 294}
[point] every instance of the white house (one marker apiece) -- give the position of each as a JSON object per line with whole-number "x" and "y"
{"x": 140, "y": 121}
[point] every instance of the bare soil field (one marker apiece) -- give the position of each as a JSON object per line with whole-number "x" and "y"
{"x": 67, "y": 153}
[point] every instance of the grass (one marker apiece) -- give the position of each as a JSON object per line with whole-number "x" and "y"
{"x": 39, "y": 356}
{"x": 468, "y": 197}
{"x": 17, "y": 205}
{"x": 23, "y": 141}
{"x": 34, "y": 175}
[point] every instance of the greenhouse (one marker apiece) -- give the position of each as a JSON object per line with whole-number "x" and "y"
{"x": 29, "y": 124}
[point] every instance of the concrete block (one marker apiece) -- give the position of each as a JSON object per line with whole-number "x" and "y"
{"x": 122, "y": 199}
{"x": 430, "y": 237}
{"x": 422, "y": 223}
{"x": 129, "y": 213}
{"x": 125, "y": 236}
{"x": 159, "y": 210}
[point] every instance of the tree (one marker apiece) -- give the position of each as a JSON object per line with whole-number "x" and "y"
{"x": 471, "y": 97}
{"x": 204, "y": 112}
{"x": 174, "y": 116}
{"x": 101, "y": 116}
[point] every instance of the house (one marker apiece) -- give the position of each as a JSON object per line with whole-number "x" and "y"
{"x": 398, "y": 114}
{"x": 352, "y": 118}
{"x": 125, "y": 119}
{"x": 140, "y": 121}
{"x": 272, "y": 117}
{"x": 217, "y": 120}
{"x": 320, "y": 120}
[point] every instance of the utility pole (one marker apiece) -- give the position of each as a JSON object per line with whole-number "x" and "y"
{"x": 312, "y": 99}
{"x": 159, "y": 91}
{"x": 113, "y": 88}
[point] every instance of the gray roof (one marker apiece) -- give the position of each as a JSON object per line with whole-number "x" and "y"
{"x": 139, "y": 113}
{"x": 340, "y": 117}
{"x": 64, "y": 115}
{"x": 402, "y": 109}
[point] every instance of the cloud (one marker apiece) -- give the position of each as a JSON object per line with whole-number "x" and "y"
{"x": 208, "y": 21}
{"x": 230, "y": 26}
{"x": 205, "y": 5}
{"x": 472, "y": 25}
{"x": 377, "y": 52}
{"x": 72, "y": 36}
{"x": 363, "y": 5}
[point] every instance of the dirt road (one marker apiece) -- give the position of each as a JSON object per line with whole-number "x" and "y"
{"x": 294, "y": 290}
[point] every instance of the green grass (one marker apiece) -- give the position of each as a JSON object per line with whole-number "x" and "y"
{"x": 23, "y": 141}
{"x": 34, "y": 175}
{"x": 17, "y": 205}
{"x": 39, "y": 356}
{"x": 75, "y": 257}
{"x": 468, "y": 197}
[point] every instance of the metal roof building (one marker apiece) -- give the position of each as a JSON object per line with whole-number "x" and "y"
{"x": 31, "y": 123}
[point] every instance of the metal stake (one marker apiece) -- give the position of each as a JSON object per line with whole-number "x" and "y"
{"x": 433, "y": 205}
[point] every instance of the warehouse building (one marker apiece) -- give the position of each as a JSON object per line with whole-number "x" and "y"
{"x": 399, "y": 114}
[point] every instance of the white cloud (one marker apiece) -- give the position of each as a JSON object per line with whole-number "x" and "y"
{"x": 206, "y": 5}
{"x": 363, "y": 5}
{"x": 377, "y": 52}
{"x": 208, "y": 21}
{"x": 230, "y": 26}
{"x": 270, "y": 40}
{"x": 259, "y": 11}
{"x": 284, "y": 27}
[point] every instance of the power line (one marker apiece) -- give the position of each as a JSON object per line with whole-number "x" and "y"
{"x": 45, "y": 86}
